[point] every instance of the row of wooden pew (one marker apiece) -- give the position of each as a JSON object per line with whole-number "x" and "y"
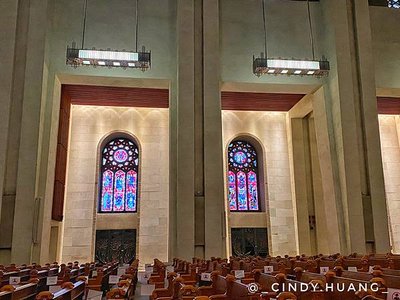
{"x": 332, "y": 277}
{"x": 74, "y": 280}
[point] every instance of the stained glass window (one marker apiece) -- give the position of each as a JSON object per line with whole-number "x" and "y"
{"x": 243, "y": 192}
{"x": 394, "y": 3}
{"x": 119, "y": 176}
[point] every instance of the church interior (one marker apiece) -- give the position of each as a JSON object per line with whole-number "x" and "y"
{"x": 213, "y": 146}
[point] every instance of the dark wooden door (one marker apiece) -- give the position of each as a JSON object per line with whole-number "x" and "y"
{"x": 249, "y": 241}
{"x": 117, "y": 245}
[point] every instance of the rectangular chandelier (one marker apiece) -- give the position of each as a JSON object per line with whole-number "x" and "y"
{"x": 262, "y": 65}
{"x": 108, "y": 58}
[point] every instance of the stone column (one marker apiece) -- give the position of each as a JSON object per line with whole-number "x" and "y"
{"x": 7, "y": 39}
{"x": 340, "y": 91}
{"x": 183, "y": 237}
{"x": 350, "y": 91}
{"x": 24, "y": 217}
{"x": 213, "y": 154}
{"x": 8, "y": 23}
{"x": 200, "y": 184}
{"x": 329, "y": 173}
{"x": 301, "y": 187}
{"x": 377, "y": 230}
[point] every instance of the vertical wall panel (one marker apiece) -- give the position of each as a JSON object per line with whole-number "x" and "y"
{"x": 61, "y": 163}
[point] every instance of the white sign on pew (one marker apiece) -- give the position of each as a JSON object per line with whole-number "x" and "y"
{"x": 147, "y": 289}
{"x": 121, "y": 271}
{"x": 94, "y": 273}
{"x": 393, "y": 294}
{"x": 323, "y": 270}
{"x": 371, "y": 269}
{"x": 239, "y": 274}
{"x": 352, "y": 269}
{"x": 197, "y": 270}
{"x": 51, "y": 280}
{"x": 14, "y": 280}
{"x": 268, "y": 269}
{"x": 94, "y": 295}
{"x": 143, "y": 277}
{"x": 205, "y": 276}
{"x": 113, "y": 279}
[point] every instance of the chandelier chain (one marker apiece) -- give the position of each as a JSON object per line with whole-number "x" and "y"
{"x": 136, "y": 25}
{"x": 85, "y": 4}
{"x": 265, "y": 28}
{"x": 311, "y": 30}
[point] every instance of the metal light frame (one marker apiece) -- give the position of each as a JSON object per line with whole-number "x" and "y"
{"x": 82, "y": 56}
{"x": 285, "y": 66}
{"x": 272, "y": 66}
{"x": 109, "y": 58}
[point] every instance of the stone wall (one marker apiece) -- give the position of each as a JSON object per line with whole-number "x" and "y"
{"x": 389, "y": 127}
{"x": 89, "y": 125}
{"x": 269, "y": 128}
{"x": 386, "y": 42}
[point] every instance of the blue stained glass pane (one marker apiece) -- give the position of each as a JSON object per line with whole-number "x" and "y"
{"x": 252, "y": 191}
{"x": 106, "y": 197}
{"x": 242, "y": 190}
{"x": 240, "y": 157}
{"x": 119, "y": 191}
{"x": 232, "y": 191}
{"x": 131, "y": 191}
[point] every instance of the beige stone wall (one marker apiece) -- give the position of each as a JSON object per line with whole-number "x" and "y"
{"x": 89, "y": 125}
{"x": 386, "y": 43}
{"x": 389, "y": 127}
{"x": 269, "y": 128}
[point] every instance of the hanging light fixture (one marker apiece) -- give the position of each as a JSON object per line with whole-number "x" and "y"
{"x": 274, "y": 66}
{"x": 109, "y": 58}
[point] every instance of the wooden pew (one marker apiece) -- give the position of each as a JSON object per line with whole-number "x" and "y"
{"x": 5, "y": 276}
{"x": 235, "y": 291}
{"x": 165, "y": 292}
{"x": 69, "y": 291}
{"x": 26, "y": 291}
{"x": 181, "y": 291}
{"x": 218, "y": 286}
{"x": 158, "y": 276}
{"x": 390, "y": 281}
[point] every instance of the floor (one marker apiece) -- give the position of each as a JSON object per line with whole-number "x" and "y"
{"x": 138, "y": 295}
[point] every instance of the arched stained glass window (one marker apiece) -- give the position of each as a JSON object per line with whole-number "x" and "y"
{"x": 243, "y": 194}
{"x": 394, "y": 3}
{"x": 119, "y": 176}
